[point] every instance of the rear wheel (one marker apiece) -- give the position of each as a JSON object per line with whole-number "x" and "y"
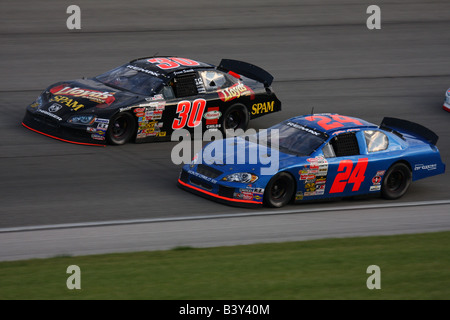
{"x": 236, "y": 117}
{"x": 396, "y": 181}
{"x": 280, "y": 190}
{"x": 121, "y": 129}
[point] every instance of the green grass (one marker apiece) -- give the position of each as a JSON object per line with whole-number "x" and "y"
{"x": 412, "y": 267}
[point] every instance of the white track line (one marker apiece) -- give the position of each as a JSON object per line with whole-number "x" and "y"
{"x": 219, "y": 216}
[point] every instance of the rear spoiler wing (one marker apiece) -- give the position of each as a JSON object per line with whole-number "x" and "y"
{"x": 246, "y": 69}
{"x": 404, "y": 126}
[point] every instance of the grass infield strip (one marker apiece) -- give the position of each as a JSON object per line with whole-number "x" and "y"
{"x": 415, "y": 266}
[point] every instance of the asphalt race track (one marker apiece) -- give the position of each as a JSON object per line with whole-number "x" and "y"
{"x": 125, "y": 198}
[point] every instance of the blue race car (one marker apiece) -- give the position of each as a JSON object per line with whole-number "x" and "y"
{"x": 314, "y": 157}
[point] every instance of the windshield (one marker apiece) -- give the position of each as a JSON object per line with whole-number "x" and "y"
{"x": 293, "y": 138}
{"x": 132, "y": 78}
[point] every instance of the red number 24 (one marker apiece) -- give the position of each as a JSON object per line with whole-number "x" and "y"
{"x": 347, "y": 175}
{"x": 332, "y": 121}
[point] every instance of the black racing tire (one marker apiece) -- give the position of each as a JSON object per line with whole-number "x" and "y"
{"x": 235, "y": 117}
{"x": 396, "y": 181}
{"x": 122, "y": 127}
{"x": 280, "y": 190}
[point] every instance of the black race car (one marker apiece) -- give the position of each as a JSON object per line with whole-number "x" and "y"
{"x": 147, "y": 99}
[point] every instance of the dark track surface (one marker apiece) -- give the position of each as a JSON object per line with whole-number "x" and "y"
{"x": 321, "y": 56}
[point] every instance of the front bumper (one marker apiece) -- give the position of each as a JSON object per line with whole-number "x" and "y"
{"x": 446, "y": 106}
{"x": 59, "y": 130}
{"x": 219, "y": 192}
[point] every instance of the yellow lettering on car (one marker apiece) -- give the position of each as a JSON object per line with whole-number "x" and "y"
{"x": 264, "y": 107}
{"x": 75, "y": 105}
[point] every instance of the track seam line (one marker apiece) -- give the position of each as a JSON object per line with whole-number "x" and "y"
{"x": 224, "y": 28}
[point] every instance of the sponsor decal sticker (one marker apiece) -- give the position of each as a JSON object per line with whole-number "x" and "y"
{"x": 201, "y": 176}
{"x": 235, "y": 91}
{"x": 54, "y": 108}
{"x": 212, "y": 114}
{"x": 376, "y": 180}
{"x": 300, "y": 127}
{"x": 71, "y": 103}
{"x": 97, "y": 136}
{"x": 54, "y": 116}
{"x": 265, "y": 107}
{"x": 100, "y": 97}
{"x": 428, "y": 167}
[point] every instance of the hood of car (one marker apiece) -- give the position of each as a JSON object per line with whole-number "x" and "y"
{"x": 85, "y": 95}
{"x": 239, "y": 155}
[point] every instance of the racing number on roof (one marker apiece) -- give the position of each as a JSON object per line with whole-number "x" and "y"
{"x": 332, "y": 121}
{"x": 347, "y": 175}
{"x": 171, "y": 63}
{"x": 189, "y": 113}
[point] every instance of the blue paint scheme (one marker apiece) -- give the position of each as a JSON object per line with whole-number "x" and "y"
{"x": 316, "y": 175}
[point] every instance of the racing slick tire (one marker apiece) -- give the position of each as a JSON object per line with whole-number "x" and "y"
{"x": 121, "y": 129}
{"x": 396, "y": 181}
{"x": 235, "y": 117}
{"x": 280, "y": 190}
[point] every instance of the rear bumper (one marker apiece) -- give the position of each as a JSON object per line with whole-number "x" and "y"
{"x": 216, "y": 192}
{"x": 58, "y": 130}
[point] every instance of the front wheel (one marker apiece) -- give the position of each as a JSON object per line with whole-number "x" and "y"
{"x": 121, "y": 128}
{"x": 396, "y": 181}
{"x": 280, "y": 190}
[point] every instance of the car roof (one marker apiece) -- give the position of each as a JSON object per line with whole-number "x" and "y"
{"x": 330, "y": 123}
{"x": 167, "y": 66}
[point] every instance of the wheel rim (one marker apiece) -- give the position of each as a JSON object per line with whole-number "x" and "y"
{"x": 233, "y": 120}
{"x": 395, "y": 180}
{"x": 120, "y": 127}
{"x": 279, "y": 189}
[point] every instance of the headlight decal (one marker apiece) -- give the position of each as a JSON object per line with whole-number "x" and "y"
{"x": 38, "y": 102}
{"x": 242, "y": 177}
{"x": 82, "y": 119}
